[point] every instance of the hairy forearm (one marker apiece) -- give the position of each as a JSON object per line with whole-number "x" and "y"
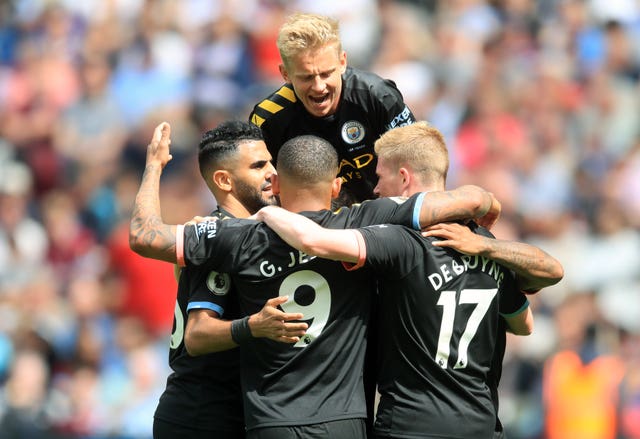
{"x": 535, "y": 268}
{"x": 338, "y": 245}
{"x": 148, "y": 235}
{"x": 292, "y": 228}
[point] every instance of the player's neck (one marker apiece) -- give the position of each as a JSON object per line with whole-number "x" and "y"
{"x": 233, "y": 206}
{"x": 421, "y": 187}
{"x": 303, "y": 200}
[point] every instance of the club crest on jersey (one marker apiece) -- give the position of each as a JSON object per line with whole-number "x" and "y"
{"x": 352, "y": 132}
{"x": 218, "y": 283}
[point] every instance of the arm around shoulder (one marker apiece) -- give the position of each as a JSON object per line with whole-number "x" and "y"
{"x": 535, "y": 268}
{"x": 307, "y": 236}
{"x": 465, "y": 202}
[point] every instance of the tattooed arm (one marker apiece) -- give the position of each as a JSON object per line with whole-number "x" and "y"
{"x": 535, "y": 269}
{"x": 465, "y": 202}
{"x": 148, "y": 235}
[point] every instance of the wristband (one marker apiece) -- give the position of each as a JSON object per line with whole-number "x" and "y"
{"x": 362, "y": 253}
{"x": 180, "y": 245}
{"x": 240, "y": 331}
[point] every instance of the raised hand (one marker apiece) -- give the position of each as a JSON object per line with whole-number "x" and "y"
{"x": 149, "y": 236}
{"x": 158, "y": 149}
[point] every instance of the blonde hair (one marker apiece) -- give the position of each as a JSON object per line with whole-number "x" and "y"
{"x": 302, "y": 32}
{"x": 420, "y": 147}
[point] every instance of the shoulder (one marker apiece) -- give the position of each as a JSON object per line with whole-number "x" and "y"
{"x": 398, "y": 249}
{"x": 380, "y": 211}
{"x": 359, "y": 81}
{"x": 378, "y": 96}
{"x": 217, "y": 227}
{"x": 377, "y": 203}
{"x": 273, "y": 105}
{"x": 357, "y": 77}
{"x": 212, "y": 242}
{"x": 397, "y": 235}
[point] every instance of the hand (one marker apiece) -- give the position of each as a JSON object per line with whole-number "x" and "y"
{"x": 158, "y": 149}
{"x": 277, "y": 325}
{"x": 491, "y": 217}
{"x": 200, "y": 219}
{"x": 457, "y": 237}
{"x": 264, "y": 213}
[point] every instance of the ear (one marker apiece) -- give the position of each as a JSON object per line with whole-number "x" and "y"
{"x": 222, "y": 179}
{"x": 405, "y": 175}
{"x": 283, "y": 73}
{"x": 343, "y": 62}
{"x": 335, "y": 187}
{"x": 275, "y": 184}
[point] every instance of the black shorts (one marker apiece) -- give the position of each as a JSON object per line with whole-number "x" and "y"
{"x": 344, "y": 429}
{"x": 169, "y": 430}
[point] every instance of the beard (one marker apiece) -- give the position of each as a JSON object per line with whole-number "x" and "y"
{"x": 251, "y": 198}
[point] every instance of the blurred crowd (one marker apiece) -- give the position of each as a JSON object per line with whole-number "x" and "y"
{"x": 539, "y": 102}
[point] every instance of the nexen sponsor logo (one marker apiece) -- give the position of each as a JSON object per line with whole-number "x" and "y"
{"x": 207, "y": 229}
{"x": 401, "y": 119}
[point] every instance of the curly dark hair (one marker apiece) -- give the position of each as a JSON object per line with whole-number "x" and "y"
{"x": 222, "y": 141}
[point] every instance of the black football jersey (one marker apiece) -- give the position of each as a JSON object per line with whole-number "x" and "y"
{"x": 438, "y": 324}
{"x": 203, "y": 392}
{"x": 495, "y": 372}
{"x": 515, "y": 303}
{"x": 369, "y": 106}
{"x": 319, "y": 379}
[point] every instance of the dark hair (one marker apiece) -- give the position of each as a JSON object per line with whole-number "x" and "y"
{"x": 222, "y": 142}
{"x": 308, "y": 159}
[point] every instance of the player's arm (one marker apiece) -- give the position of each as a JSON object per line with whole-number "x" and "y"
{"x": 520, "y": 323}
{"x": 148, "y": 235}
{"x": 305, "y": 235}
{"x": 206, "y": 332}
{"x": 465, "y": 202}
{"x": 535, "y": 268}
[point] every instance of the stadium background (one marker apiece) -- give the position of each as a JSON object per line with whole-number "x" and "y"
{"x": 539, "y": 102}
